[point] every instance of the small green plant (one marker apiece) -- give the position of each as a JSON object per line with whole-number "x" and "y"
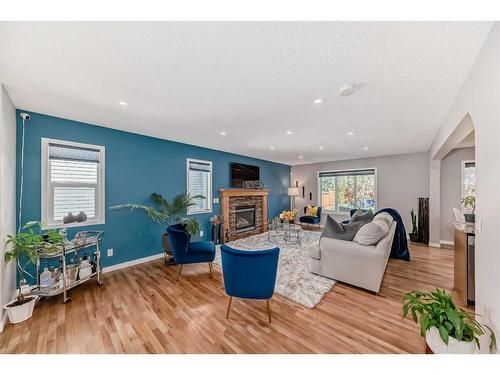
{"x": 469, "y": 203}
{"x": 27, "y": 244}
{"x": 437, "y": 309}
{"x": 414, "y": 222}
{"x": 161, "y": 211}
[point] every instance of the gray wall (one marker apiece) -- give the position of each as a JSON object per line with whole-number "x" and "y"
{"x": 451, "y": 185}
{"x": 401, "y": 180}
{"x": 7, "y": 193}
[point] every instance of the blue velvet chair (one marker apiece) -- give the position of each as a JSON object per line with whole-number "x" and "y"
{"x": 186, "y": 252}
{"x": 249, "y": 274}
{"x": 312, "y": 220}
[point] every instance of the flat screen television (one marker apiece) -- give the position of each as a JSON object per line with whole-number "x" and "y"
{"x": 244, "y": 176}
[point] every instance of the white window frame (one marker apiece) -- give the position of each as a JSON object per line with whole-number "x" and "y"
{"x": 47, "y": 196}
{"x": 210, "y": 193}
{"x": 318, "y": 190}
{"x": 462, "y": 176}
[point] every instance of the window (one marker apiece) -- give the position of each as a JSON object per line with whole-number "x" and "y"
{"x": 72, "y": 181}
{"x": 468, "y": 178}
{"x": 199, "y": 182}
{"x": 340, "y": 191}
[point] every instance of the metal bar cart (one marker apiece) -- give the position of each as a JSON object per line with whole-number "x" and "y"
{"x": 91, "y": 239}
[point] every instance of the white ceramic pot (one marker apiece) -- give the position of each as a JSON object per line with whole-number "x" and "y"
{"x": 438, "y": 346}
{"x": 18, "y": 314}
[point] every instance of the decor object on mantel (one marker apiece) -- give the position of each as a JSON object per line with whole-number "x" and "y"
{"x": 79, "y": 218}
{"x": 447, "y": 329}
{"x": 161, "y": 211}
{"x": 216, "y": 222}
{"x": 294, "y": 280}
{"x": 469, "y": 204}
{"x": 25, "y": 246}
{"x": 414, "y": 230}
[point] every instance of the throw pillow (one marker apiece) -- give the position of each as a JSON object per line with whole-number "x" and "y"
{"x": 311, "y": 211}
{"x": 339, "y": 231}
{"x": 385, "y": 217}
{"x": 371, "y": 233}
{"x": 361, "y": 216}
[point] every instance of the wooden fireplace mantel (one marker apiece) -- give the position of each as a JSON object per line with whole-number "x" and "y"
{"x": 227, "y": 194}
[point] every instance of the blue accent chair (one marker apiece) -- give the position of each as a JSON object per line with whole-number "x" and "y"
{"x": 312, "y": 220}
{"x": 186, "y": 252}
{"x": 249, "y": 274}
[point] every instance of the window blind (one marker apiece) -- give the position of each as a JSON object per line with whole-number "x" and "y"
{"x": 357, "y": 172}
{"x": 199, "y": 184}
{"x": 74, "y": 175}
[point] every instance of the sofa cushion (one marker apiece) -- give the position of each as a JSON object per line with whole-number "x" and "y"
{"x": 361, "y": 216}
{"x": 313, "y": 250}
{"x": 340, "y": 231}
{"x": 385, "y": 217}
{"x": 309, "y": 219}
{"x": 372, "y": 233}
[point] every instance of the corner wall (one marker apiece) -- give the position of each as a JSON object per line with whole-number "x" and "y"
{"x": 7, "y": 194}
{"x": 480, "y": 98}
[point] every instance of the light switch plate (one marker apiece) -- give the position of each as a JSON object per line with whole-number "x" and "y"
{"x": 201, "y": 233}
{"x": 110, "y": 252}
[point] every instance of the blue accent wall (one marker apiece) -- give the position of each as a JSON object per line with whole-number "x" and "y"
{"x": 136, "y": 166}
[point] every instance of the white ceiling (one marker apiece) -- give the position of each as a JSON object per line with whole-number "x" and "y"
{"x": 187, "y": 81}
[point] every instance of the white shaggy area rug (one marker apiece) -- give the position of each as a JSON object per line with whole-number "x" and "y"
{"x": 294, "y": 281}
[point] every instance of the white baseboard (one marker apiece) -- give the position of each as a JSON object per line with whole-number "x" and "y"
{"x": 433, "y": 244}
{"x": 443, "y": 242}
{"x": 131, "y": 263}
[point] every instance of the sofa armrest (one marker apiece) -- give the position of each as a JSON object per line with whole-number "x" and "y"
{"x": 313, "y": 250}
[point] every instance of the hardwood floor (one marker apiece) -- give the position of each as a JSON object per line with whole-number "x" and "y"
{"x": 143, "y": 309}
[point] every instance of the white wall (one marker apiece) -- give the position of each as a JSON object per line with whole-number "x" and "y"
{"x": 480, "y": 98}
{"x": 401, "y": 180}
{"x": 451, "y": 188}
{"x": 7, "y": 193}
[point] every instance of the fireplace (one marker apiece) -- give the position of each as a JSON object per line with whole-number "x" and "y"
{"x": 245, "y": 218}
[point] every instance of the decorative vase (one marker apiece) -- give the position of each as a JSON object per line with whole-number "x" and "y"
{"x": 438, "y": 346}
{"x": 470, "y": 218}
{"x": 414, "y": 237}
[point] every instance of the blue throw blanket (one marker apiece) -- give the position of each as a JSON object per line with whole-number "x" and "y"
{"x": 399, "y": 249}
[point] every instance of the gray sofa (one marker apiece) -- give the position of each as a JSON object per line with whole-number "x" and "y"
{"x": 350, "y": 262}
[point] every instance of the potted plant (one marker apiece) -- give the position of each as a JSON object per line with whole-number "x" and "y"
{"x": 414, "y": 231}
{"x": 469, "y": 203}
{"x": 25, "y": 246}
{"x": 288, "y": 216}
{"x": 161, "y": 211}
{"x": 446, "y": 328}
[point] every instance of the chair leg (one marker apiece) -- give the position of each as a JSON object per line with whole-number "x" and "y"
{"x": 210, "y": 269}
{"x": 229, "y": 307}
{"x": 268, "y": 310}
{"x": 179, "y": 273}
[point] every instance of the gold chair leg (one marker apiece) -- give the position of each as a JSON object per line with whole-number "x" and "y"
{"x": 268, "y": 310}
{"x": 229, "y": 307}
{"x": 210, "y": 269}
{"x": 179, "y": 273}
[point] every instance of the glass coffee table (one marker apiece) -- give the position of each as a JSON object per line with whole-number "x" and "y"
{"x": 284, "y": 231}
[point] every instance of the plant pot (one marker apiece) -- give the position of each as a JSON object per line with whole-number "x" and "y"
{"x": 438, "y": 346}
{"x": 414, "y": 237}
{"x": 169, "y": 257}
{"x": 20, "y": 313}
{"x": 470, "y": 218}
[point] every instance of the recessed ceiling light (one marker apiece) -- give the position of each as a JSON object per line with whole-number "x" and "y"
{"x": 365, "y": 148}
{"x": 301, "y": 157}
{"x": 350, "y": 133}
{"x": 321, "y": 148}
{"x": 222, "y": 132}
{"x": 272, "y": 148}
{"x": 123, "y": 103}
{"x": 347, "y": 90}
{"x": 288, "y": 132}
{"x": 318, "y": 101}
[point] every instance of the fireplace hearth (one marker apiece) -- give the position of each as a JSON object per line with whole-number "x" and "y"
{"x": 245, "y": 218}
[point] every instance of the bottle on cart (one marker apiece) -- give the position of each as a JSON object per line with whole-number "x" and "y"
{"x": 45, "y": 278}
